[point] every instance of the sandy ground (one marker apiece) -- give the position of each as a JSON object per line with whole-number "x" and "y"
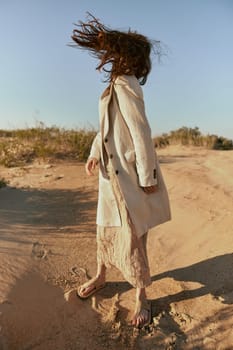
{"x": 48, "y": 248}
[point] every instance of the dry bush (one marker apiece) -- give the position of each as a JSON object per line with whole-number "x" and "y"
{"x": 22, "y": 146}
{"x": 18, "y": 147}
{"x": 193, "y": 137}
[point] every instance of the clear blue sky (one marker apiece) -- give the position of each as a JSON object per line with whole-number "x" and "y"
{"x": 43, "y": 79}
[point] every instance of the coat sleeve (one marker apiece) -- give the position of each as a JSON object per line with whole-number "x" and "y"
{"x": 95, "y": 147}
{"x": 131, "y": 104}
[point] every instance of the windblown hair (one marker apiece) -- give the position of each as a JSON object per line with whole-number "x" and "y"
{"x": 119, "y": 52}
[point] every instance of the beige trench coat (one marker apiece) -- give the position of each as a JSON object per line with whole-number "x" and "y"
{"x": 126, "y": 136}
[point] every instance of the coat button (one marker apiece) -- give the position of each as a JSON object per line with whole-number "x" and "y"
{"x": 106, "y": 140}
{"x": 111, "y": 156}
{"x": 117, "y": 172}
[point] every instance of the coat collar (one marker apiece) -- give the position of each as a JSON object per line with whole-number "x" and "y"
{"x": 104, "y": 109}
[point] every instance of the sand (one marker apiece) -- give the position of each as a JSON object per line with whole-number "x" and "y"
{"x": 48, "y": 248}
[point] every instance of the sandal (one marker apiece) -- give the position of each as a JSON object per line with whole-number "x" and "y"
{"x": 143, "y": 305}
{"x": 83, "y": 287}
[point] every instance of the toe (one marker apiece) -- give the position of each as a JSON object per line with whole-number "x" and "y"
{"x": 140, "y": 319}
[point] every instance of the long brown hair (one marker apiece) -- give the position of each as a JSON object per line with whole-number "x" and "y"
{"x": 119, "y": 52}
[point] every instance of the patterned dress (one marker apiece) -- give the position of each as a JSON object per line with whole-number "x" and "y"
{"x": 120, "y": 247}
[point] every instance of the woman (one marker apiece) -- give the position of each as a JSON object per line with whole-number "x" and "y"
{"x": 132, "y": 195}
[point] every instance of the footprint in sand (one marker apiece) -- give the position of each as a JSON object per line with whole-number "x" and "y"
{"x": 39, "y": 251}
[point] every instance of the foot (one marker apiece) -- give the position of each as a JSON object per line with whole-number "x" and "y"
{"x": 91, "y": 287}
{"x": 142, "y": 314}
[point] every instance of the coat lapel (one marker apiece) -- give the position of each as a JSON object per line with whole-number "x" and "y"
{"x": 104, "y": 111}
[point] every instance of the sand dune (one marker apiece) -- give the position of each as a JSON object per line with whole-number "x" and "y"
{"x": 47, "y": 248}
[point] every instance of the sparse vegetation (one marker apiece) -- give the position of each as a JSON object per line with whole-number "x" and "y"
{"x": 21, "y": 146}
{"x": 193, "y": 136}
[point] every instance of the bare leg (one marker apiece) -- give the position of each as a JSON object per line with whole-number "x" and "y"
{"x": 142, "y": 309}
{"x": 95, "y": 282}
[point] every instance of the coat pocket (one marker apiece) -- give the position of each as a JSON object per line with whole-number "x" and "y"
{"x": 130, "y": 156}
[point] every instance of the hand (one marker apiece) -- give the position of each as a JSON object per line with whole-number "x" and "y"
{"x": 150, "y": 189}
{"x": 90, "y": 166}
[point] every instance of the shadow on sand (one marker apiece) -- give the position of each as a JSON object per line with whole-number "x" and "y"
{"x": 47, "y": 210}
{"x": 36, "y": 314}
{"x": 215, "y": 275}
